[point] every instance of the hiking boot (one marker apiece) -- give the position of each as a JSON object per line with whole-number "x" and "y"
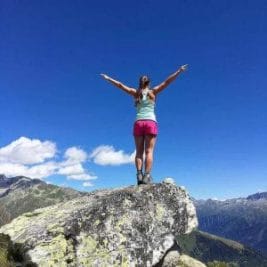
{"x": 139, "y": 177}
{"x": 147, "y": 179}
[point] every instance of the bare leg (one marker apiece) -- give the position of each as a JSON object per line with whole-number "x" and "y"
{"x": 139, "y": 145}
{"x": 150, "y": 141}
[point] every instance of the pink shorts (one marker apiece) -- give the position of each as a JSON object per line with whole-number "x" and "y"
{"x": 143, "y": 127}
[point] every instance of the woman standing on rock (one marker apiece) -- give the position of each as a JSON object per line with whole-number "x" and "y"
{"x": 145, "y": 128}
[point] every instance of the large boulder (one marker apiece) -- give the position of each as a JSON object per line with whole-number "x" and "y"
{"x": 133, "y": 226}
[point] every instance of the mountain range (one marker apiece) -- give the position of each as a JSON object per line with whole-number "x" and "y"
{"x": 22, "y": 194}
{"x": 240, "y": 219}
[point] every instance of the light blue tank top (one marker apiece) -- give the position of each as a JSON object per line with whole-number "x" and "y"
{"x": 146, "y": 107}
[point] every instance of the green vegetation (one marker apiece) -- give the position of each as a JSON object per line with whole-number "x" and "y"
{"x": 33, "y": 196}
{"x": 4, "y": 254}
{"x": 219, "y": 252}
{"x": 5, "y": 215}
{"x": 221, "y": 264}
{"x": 241, "y": 219}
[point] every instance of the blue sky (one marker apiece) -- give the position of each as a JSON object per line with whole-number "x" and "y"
{"x": 60, "y": 119}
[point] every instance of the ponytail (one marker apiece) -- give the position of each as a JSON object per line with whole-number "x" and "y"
{"x": 143, "y": 83}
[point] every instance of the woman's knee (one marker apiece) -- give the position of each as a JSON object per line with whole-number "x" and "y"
{"x": 149, "y": 151}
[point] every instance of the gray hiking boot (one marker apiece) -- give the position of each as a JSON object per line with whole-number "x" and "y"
{"x": 147, "y": 179}
{"x": 139, "y": 177}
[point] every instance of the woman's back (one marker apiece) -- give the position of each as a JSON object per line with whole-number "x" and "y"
{"x": 145, "y": 107}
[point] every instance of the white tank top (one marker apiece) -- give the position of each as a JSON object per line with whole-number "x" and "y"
{"x": 146, "y": 108}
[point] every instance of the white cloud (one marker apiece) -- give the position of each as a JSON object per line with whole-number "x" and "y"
{"x": 85, "y": 184}
{"x": 106, "y": 155}
{"x": 75, "y": 154}
{"x": 27, "y": 151}
{"x": 169, "y": 180}
{"x": 37, "y": 171}
{"x": 42, "y": 170}
{"x": 37, "y": 159}
{"x": 28, "y": 157}
{"x": 75, "y": 172}
{"x": 71, "y": 169}
{"x": 12, "y": 169}
{"x": 82, "y": 177}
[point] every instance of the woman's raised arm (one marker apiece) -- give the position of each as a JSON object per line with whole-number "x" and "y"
{"x": 120, "y": 85}
{"x": 172, "y": 77}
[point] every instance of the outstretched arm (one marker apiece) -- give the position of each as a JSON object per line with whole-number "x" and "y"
{"x": 172, "y": 77}
{"x": 120, "y": 85}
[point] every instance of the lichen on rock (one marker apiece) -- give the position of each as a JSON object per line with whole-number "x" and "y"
{"x": 132, "y": 226}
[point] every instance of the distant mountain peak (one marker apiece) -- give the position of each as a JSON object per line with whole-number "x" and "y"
{"x": 257, "y": 196}
{"x": 23, "y": 194}
{"x": 2, "y": 177}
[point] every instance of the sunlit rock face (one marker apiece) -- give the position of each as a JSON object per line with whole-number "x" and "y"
{"x": 133, "y": 226}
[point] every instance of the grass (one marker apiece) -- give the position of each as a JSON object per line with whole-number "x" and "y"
{"x": 4, "y": 261}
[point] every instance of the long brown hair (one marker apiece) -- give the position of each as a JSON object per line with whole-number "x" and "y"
{"x": 144, "y": 82}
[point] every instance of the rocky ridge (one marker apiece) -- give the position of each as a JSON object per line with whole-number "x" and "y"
{"x": 22, "y": 194}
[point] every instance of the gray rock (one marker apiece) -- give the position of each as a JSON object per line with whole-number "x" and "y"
{"x": 174, "y": 259}
{"x": 169, "y": 180}
{"x": 171, "y": 259}
{"x": 133, "y": 226}
{"x": 186, "y": 261}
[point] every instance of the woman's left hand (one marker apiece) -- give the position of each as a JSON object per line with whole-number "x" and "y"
{"x": 184, "y": 67}
{"x": 104, "y": 76}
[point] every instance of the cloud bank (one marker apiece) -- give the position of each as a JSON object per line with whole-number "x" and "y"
{"x": 35, "y": 158}
{"x": 40, "y": 159}
{"x": 27, "y": 151}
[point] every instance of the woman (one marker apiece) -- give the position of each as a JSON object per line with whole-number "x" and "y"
{"x": 145, "y": 128}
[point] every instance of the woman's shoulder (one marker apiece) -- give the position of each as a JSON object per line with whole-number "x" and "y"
{"x": 151, "y": 94}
